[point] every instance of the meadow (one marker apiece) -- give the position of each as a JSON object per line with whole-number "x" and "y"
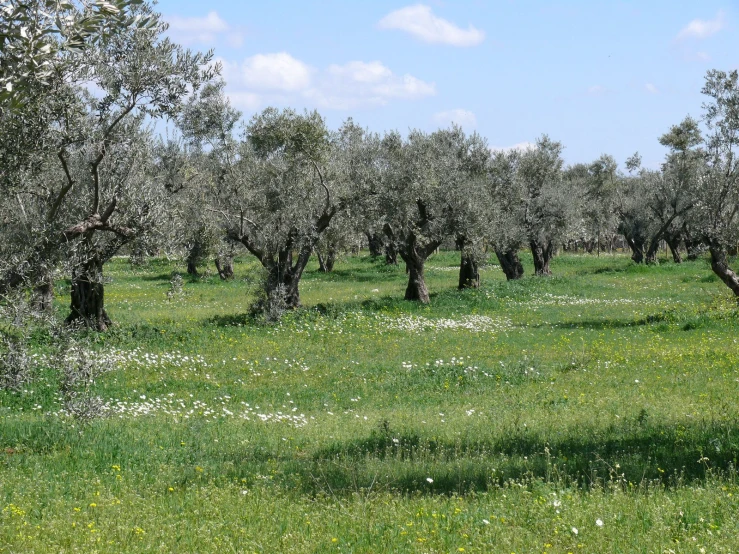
{"x": 593, "y": 411}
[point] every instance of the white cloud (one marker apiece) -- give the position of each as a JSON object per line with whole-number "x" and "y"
{"x": 651, "y": 88}
{"x": 361, "y": 72}
{"x": 420, "y": 22}
{"x": 275, "y": 72}
{"x": 701, "y": 28}
{"x": 280, "y": 78}
{"x": 364, "y": 84}
{"x": 202, "y": 30}
{"x": 520, "y": 147}
{"x": 465, "y": 118}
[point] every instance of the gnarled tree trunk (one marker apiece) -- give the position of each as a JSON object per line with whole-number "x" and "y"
{"x": 391, "y": 254}
{"x": 326, "y": 263}
{"x": 416, "y": 289}
{"x": 673, "y": 241}
{"x": 225, "y": 267}
{"x": 637, "y": 248}
{"x": 88, "y": 296}
{"x": 510, "y": 264}
{"x": 652, "y": 251}
{"x": 375, "y": 244}
{"x": 414, "y": 255}
{"x": 720, "y": 266}
{"x": 542, "y": 254}
{"x": 469, "y": 272}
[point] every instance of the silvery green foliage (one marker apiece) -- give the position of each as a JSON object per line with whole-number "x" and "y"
{"x": 655, "y": 205}
{"x": 716, "y": 212}
{"x": 506, "y": 230}
{"x": 90, "y": 188}
{"x": 594, "y": 189}
{"x": 533, "y": 203}
{"x": 40, "y": 39}
{"x": 15, "y": 362}
{"x": 430, "y": 183}
{"x": 274, "y": 191}
{"x": 464, "y": 170}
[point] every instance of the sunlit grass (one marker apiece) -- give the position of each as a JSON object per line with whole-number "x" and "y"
{"x": 495, "y": 420}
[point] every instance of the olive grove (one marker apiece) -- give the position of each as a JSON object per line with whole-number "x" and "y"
{"x": 84, "y": 177}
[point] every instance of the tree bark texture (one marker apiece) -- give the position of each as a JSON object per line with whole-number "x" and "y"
{"x": 637, "y": 248}
{"x": 88, "y": 296}
{"x": 326, "y": 263}
{"x": 542, "y": 254}
{"x": 391, "y": 254}
{"x": 225, "y": 267}
{"x": 469, "y": 272}
{"x": 673, "y": 241}
{"x": 375, "y": 244}
{"x": 510, "y": 264}
{"x": 416, "y": 289}
{"x": 720, "y": 266}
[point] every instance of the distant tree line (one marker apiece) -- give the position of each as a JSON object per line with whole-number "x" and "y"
{"x": 83, "y": 177}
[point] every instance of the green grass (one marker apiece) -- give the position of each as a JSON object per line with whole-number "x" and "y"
{"x": 493, "y": 420}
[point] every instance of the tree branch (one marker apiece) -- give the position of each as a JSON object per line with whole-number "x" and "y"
{"x": 323, "y": 184}
{"x": 65, "y": 189}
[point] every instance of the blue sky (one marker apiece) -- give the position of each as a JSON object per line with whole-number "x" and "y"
{"x": 601, "y": 77}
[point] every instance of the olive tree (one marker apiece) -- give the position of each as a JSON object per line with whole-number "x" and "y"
{"x": 463, "y": 168}
{"x": 280, "y": 195}
{"x": 137, "y": 74}
{"x": 506, "y": 232}
{"x": 716, "y": 212}
{"x": 653, "y": 204}
{"x": 595, "y": 186}
{"x": 547, "y": 206}
{"x": 413, "y": 199}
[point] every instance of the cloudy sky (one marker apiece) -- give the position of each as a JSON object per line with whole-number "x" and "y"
{"x": 598, "y": 76}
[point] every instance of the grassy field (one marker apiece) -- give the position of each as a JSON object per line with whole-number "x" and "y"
{"x": 594, "y": 411}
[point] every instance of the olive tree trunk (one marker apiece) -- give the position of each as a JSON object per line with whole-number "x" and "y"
{"x": 469, "y": 272}
{"x": 225, "y": 267}
{"x": 673, "y": 241}
{"x": 720, "y": 266}
{"x": 326, "y": 263}
{"x": 375, "y": 243}
{"x": 391, "y": 254}
{"x": 510, "y": 264}
{"x": 542, "y": 254}
{"x": 88, "y": 296}
{"x": 416, "y": 289}
{"x": 637, "y": 248}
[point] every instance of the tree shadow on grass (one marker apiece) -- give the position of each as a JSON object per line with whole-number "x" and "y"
{"x": 166, "y": 277}
{"x": 356, "y": 276}
{"x": 634, "y": 454}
